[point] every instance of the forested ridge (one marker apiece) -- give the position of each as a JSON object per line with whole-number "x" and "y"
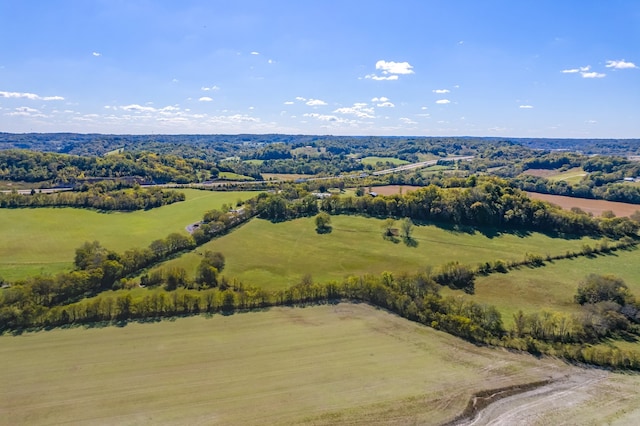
{"x": 63, "y": 169}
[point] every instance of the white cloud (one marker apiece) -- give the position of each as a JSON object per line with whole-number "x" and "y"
{"x": 591, "y": 122}
{"x": 394, "y": 67}
{"x": 255, "y": 53}
{"x": 96, "y": 54}
{"x": 620, "y": 65}
{"x": 289, "y": 103}
{"x": 577, "y": 70}
{"x": 30, "y": 96}
{"x": 205, "y": 99}
{"x": 526, "y": 106}
{"x": 212, "y": 88}
{"x": 27, "y": 109}
{"x": 406, "y": 120}
{"x": 315, "y": 102}
{"x": 360, "y": 110}
{"x": 26, "y": 112}
{"x": 390, "y": 70}
{"x": 440, "y": 91}
{"x": 384, "y": 102}
{"x": 424, "y": 107}
{"x": 443, "y": 101}
{"x": 271, "y": 61}
{"x": 139, "y": 108}
{"x": 300, "y": 98}
{"x": 592, "y": 75}
{"x": 329, "y": 118}
{"x": 380, "y": 77}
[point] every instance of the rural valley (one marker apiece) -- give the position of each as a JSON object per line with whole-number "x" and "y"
{"x": 420, "y": 212}
{"x": 346, "y": 285}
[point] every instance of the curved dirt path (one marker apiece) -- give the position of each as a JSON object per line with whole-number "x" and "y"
{"x": 533, "y": 406}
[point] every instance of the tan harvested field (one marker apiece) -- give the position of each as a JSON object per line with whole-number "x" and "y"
{"x": 545, "y": 173}
{"x": 332, "y": 364}
{"x": 596, "y": 207}
{"x": 394, "y": 189}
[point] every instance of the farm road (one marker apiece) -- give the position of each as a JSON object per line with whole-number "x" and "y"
{"x": 538, "y": 405}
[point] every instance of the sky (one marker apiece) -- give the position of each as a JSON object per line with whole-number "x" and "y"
{"x": 554, "y": 69}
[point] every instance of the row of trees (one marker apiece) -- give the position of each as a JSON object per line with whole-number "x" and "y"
{"x": 413, "y": 296}
{"x": 95, "y": 197}
{"x": 476, "y": 201}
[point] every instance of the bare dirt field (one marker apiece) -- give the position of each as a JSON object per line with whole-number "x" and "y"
{"x": 540, "y": 172}
{"x": 393, "y": 189}
{"x": 596, "y": 207}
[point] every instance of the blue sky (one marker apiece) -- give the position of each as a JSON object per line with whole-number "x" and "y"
{"x": 451, "y": 68}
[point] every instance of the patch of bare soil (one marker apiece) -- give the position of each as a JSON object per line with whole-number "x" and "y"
{"x": 393, "y": 189}
{"x": 532, "y": 405}
{"x": 540, "y": 172}
{"x": 595, "y": 207}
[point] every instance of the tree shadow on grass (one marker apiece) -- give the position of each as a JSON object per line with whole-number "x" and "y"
{"x": 410, "y": 242}
{"x": 324, "y": 230}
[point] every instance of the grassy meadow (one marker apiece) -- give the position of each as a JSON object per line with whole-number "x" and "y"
{"x": 375, "y": 160}
{"x": 328, "y": 364}
{"x": 44, "y": 240}
{"x": 277, "y": 255}
{"x": 553, "y": 286}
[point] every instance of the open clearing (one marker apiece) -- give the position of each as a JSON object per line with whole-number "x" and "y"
{"x": 328, "y": 364}
{"x": 572, "y": 176}
{"x": 596, "y": 207}
{"x": 394, "y": 189}
{"x": 384, "y": 160}
{"x": 553, "y": 286}
{"x": 44, "y": 240}
{"x": 277, "y": 255}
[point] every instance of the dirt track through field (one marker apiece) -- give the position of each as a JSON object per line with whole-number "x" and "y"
{"x": 531, "y": 407}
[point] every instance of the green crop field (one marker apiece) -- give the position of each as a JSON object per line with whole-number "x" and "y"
{"x": 275, "y": 256}
{"x": 330, "y": 364}
{"x": 374, "y": 160}
{"x": 44, "y": 239}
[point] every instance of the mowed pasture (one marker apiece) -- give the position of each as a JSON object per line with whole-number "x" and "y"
{"x": 373, "y": 161}
{"x": 595, "y": 207}
{"x": 277, "y": 255}
{"x": 572, "y": 176}
{"x": 331, "y": 364}
{"x": 44, "y": 240}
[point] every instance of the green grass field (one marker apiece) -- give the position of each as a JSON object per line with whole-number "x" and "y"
{"x": 571, "y": 176}
{"x": 374, "y": 160}
{"x": 254, "y": 162}
{"x": 234, "y": 176}
{"x": 553, "y": 286}
{"x": 274, "y": 256}
{"x": 44, "y": 240}
{"x": 332, "y": 364}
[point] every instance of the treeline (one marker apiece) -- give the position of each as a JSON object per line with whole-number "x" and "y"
{"x": 99, "y": 196}
{"x": 63, "y": 169}
{"x": 476, "y": 201}
{"x": 413, "y": 296}
{"x": 605, "y": 190}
